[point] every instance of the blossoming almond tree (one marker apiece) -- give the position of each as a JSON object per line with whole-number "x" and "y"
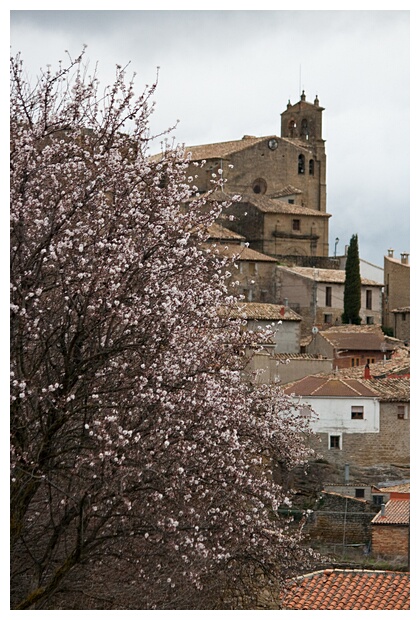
{"x": 141, "y": 461}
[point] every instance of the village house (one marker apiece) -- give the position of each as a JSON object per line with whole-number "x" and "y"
{"x": 360, "y": 422}
{"x": 353, "y": 345}
{"x": 391, "y": 529}
{"x": 318, "y": 296}
{"x": 396, "y": 289}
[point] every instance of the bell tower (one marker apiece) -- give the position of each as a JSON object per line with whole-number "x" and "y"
{"x": 303, "y": 121}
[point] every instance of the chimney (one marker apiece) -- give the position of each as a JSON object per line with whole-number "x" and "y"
{"x": 346, "y": 472}
{"x": 404, "y": 258}
{"x": 367, "y": 372}
{"x": 382, "y": 510}
{"x": 390, "y": 253}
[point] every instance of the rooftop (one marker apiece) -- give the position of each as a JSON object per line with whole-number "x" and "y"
{"x": 397, "y": 512}
{"x": 240, "y": 252}
{"x": 325, "y": 385}
{"x": 264, "y": 312}
{"x": 349, "y": 589}
{"x": 337, "y": 276}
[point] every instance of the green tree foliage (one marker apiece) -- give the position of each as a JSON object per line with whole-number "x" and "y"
{"x": 352, "y": 286}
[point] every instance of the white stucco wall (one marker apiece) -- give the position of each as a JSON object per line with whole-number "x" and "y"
{"x": 334, "y": 414}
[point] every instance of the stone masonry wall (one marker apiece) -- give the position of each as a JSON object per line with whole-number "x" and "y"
{"x": 390, "y": 540}
{"x": 390, "y": 446}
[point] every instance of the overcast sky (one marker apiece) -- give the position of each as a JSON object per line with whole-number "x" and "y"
{"x": 224, "y": 74}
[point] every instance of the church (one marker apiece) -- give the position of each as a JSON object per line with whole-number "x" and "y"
{"x": 282, "y": 181}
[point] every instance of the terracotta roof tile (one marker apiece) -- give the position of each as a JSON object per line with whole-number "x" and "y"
{"x": 240, "y": 252}
{"x": 324, "y": 385}
{"x": 397, "y": 512}
{"x": 337, "y": 276}
{"x": 348, "y": 590}
{"x": 264, "y": 312}
{"x": 216, "y": 231}
{"x": 271, "y": 205}
{"x": 223, "y": 149}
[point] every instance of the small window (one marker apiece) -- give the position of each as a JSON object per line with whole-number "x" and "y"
{"x": 296, "y": 224}
{"x": 360, "y": 493}
{"x": 403, "y": 316}
{"x": 335, "y": 442}
{"x": 259, "y": 186}
{"x": 328, "y": 319}
{"x": 370, "y": 360}
{"x": 402, "y": 412}
{"x": 291, "y": 201}
{"x": 355, "y": 361}
{"x": 252, "y": 269}
{"x": 369, "y": 299}
{"x": 328, "y": 296}
{"x": 311, "y": 167}
{"x": 378, "y": 500}
{"x": 301, "y": 164}
{"x": 357, "y": 412}
{"x": 369, "y": 320}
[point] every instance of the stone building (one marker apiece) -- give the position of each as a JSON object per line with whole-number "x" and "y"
{"x": 359, "y": 422}
{"x": 397, "y": 287}
{"x": 352, "y": 345}
{"x": 282, "y": 181}
{"x": 390, "y": 529}
{"x": 317, "y": 295}
{"x": 401, "y": 327}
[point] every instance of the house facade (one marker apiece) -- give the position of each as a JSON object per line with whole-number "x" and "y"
{"x": 358, "y": 422}
{"x": 317, "y": 295}
{"x": 396, "y": 286}
{"x": 352, "y": 345}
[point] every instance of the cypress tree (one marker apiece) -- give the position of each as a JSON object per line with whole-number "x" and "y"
{"x": 352, "y": 285}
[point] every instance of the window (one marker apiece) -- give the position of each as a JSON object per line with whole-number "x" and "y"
{"x": 370, "y": 360}
{"x": 311, "y": 167}
{"x": 369, "y": 299}
{"x": 355, "y": 361}
{"x": 252, "y": 269}
{"x": 403, "y": 316}
{"x": 296, "y": 224}
{"x": 369, "y": 320}
{"x": 291, "y": 201}
{"x": 304, "y": 129}
{"x": 328, "y": 296}
{"x": 328, "y": 318}
{"x": 301, "y": 164}
{"x": 292, "y": 129}
{"x": 335, "y": 442}
{"x": 378, "y": 499}
{"x": 402, "y": 412}
{"x": 357, "y": 412}
{"x": 259, "y": 186}
{"x": 360, "y": 493}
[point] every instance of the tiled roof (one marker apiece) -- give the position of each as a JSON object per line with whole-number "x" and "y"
{"x": 289, "y": 190}
{"x": 349, "y": 589}
{"x": 396, "y": 389}
{"x": 397, "y": 512}
{"x": 241, "y": 252}
{"x": 321, "y": 385}
{"x": 271, "y": 205}
{"x": 397, "y": 488}
{"x": 264, "y": 312}
{"x": 216, "y": 231}
{"x": 358, "y": 338}
{"x": 300, "y": 356}
{"x": 336, "y": 276}
{"x": 398, "y": 365}
{"x": 223, "y": 149}
{"x": 406, "y": 310}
